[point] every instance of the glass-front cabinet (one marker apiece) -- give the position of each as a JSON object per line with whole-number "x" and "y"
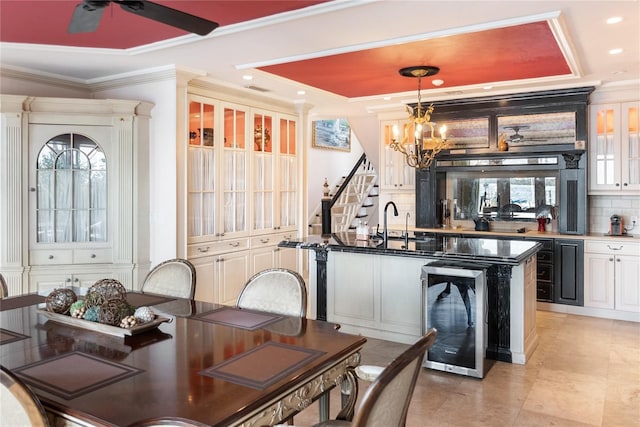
{"x": 615, "y": 148}
{"x": 395, "y": 174}
{"x": 77, "y": 214}
{"x": 241, "y": 192}
{"x": 216, "y": 171}
{"x": 275, "y": 173}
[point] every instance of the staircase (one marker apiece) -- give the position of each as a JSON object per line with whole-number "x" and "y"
{"x": 357, "y": 200}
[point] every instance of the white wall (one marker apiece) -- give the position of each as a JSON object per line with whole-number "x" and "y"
{"x": 162, "y": 161}
{"x": 326, "y": 163}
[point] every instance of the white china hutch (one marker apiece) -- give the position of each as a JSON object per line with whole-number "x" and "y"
{"x": 242, "y": 192}
{"x": 73, "y": 185}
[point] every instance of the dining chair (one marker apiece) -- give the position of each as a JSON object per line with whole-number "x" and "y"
{"x": 20, "y": 406}
{"x": 275, "y": 290}
{"x": 386, "y": 401}
{"x": 174, "y": 278}
{"x": 4, "y": 291}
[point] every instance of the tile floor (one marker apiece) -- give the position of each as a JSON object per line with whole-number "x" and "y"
{"x": 585, "y": 372}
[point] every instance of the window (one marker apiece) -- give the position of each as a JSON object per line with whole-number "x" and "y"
{"x": 71, "y": 176}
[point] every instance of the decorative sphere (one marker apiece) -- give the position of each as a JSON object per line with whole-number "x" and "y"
{"x": 60, "y": 300}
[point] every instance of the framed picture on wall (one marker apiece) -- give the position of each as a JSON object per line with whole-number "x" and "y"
{"x": 334, "y": 134}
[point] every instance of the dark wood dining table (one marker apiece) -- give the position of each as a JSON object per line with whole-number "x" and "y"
{"x": 213, "y": 364}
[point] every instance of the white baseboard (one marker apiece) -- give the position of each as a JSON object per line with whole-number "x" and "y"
{"x": 590, "y": 311}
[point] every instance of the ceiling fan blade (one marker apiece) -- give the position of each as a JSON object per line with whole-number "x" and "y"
{"x": 86, "y": 16}
{"x": 169, "y": 16}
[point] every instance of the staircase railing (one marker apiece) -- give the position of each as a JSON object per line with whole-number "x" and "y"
{"x": 327, "y": 203}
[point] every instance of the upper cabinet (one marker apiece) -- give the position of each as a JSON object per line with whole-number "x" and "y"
{"x": 242, "y": 193}
{"x": 395, "y": 173}
{"x": 614, "y": 152}
{"x": 274, "y": 166}
{"x": 217, "y": 171}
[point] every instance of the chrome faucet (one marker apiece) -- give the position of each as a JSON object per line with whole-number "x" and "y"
{"x": 385, "y": 232}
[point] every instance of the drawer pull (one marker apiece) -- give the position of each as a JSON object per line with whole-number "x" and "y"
{"x": 50, "y": 256}
{"x": 615, "y": 249}
{"x": 203, "y": 250}
{"x": 264, "y": 240}
{"x": 234, "y": 244}
{"x": 93, "y": 255}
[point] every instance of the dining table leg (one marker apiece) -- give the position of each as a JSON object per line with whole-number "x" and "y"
{"x": 323, "y": 409}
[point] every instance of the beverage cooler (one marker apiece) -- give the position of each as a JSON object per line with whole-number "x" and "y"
{"x": 454, "y": 302}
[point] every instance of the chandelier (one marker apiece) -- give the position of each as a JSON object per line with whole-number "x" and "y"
{"x": 421, "y": 153}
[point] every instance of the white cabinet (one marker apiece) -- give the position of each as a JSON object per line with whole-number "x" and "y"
{"x": 395, "y": 173}
{"x": 46, "y": 281}
{"x": 242, "y": 193}
{"x": 611, "y": 275}
{"x": 221, "y": 277}
{"x": 74, "y": 166}
{"x": 265, "y": 253}
{"x": 377, "y": 294}
{"x": 233, "y": 274}
{"x": 614, "y": 149}
{"x": 274, "y": 169}
{"x": 217, "y": 171}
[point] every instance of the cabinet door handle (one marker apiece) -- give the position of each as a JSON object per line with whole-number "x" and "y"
{"x": 68, "y": 280}
{"x": 617, "y": 184}
{"x": 220, "y": 260}
{"x": 50, "y": 256}
{"x": 610, "y": 259}
{"x": 276, "y": 249}
{"x": 32, "y": 189}
{"x": 203, "y": 250}
{"x": 617, "y": 259}
{"x": 93, "y": 255}
{"x": 234, "y": 244}
{"x": 76, "y": 280}
{"x": 625, "y": 184}
{"x": 615, "y": 249}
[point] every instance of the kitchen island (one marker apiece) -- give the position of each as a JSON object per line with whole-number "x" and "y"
{"x": 376, "y": 290}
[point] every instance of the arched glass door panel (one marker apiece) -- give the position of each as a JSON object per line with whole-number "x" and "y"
{"x": 72, "y": 191}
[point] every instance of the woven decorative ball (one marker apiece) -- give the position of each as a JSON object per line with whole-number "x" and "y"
{"x": 60, "y": 300}
{"x": 144, "y": 314}
{"x": 111, "y": 312}
{"x": 105, "y": 290}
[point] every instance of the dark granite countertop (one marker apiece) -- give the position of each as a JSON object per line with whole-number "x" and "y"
{"x": 496, "y": 251}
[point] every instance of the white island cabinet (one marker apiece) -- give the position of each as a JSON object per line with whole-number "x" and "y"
{"x": 376, "y": 295}
{"x": 377, "y": 292}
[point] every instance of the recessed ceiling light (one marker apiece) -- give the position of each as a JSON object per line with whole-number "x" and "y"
{"x": 614, "y": 20}
{"x": 247, "y": 77}
{"x": 487, "y": 87}
{"x": 615, "y": 51}
{"x": 387, "y": 98}
{"x": 618, "y": 72}
{"x": 437, "y": 82}
{"x": 301, "y": 92}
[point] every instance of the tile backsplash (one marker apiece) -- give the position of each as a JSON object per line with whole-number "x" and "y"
{"x": 602, "y": 207}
